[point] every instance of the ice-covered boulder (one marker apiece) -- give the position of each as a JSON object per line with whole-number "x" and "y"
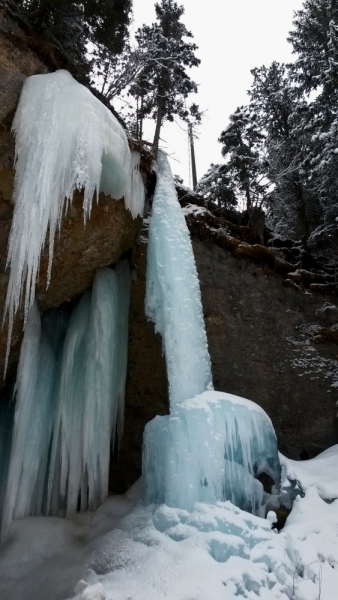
{"x": 78, "y": 251}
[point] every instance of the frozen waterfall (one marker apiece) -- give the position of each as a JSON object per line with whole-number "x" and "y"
{"x": 69, "y": 402}
{"x": 213, "y": 445}
{"x": 66, "y": 139}
{"x": 173, "y": 297}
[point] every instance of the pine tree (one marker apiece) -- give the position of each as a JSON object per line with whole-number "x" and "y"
{"x": 217, "y": 187}
{"x": 70, "y": 26}
{"x": 165, "y": 84}
{"x": 315, "y": 41}
{"x": 242, "y": 148}
{"x": 281, "y": 113}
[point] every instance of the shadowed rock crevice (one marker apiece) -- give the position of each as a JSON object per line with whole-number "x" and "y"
{"x": 146, "y": 387}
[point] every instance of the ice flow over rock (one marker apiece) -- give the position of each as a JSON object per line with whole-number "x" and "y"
{"x": 173, "y": 297}
{"x": 69, "y": 402}
{"x": 212, "y": 445}
{"x": 66, "y": 139}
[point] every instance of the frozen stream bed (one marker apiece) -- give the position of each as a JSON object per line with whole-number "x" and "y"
{"x": 126, "y": 551}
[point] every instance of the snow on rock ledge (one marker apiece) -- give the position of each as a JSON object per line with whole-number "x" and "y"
{"x": 66, "y": 140}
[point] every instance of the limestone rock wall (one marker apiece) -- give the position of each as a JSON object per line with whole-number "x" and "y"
{"x": 270, "y": 343}
{"x": 274, "y": 345}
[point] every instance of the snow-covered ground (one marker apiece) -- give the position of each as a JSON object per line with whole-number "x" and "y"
{"x": 127, "y": 551}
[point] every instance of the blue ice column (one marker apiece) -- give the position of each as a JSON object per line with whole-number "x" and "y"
{"x": 212, "y": 446}
{"x": 173, "y": 297}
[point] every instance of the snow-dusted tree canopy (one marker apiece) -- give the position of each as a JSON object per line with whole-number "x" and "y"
{"x": 68, "y": 27}
{"x": 281, "y": 149}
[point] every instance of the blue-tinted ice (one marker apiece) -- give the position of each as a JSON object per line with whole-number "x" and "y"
{"x": 66, "y": 139}
{"x": 69, "y": 402}
{"x": 213, "y": 445}
{"x": 211, "y": 448}
{"x": 173, "y": 297}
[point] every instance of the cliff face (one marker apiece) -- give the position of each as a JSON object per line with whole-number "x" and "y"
{"x": 271, "y": 343}
{"x": 79, "y": 251}
{"x": 274, "y": 345}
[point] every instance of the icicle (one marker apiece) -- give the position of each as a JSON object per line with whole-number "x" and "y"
{"x": 91, "y": 394}
{"x": 105, "y": 375}
{"x": 66, "y": 139}
{"x": 173, "y": 297}
{"x": 65, "y": 471}
{"x": 70, "y": 402}
{"x": 32, "y": 424}
{"x": 134, "y": 196}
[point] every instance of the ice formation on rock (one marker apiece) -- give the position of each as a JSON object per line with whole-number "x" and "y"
{"x": 66, "y": 139}
{"x": 210, "y": 449}
{"x": 173, "y": 297}
{"x": 212, "y": 445}
{"x": 69, "y": 402}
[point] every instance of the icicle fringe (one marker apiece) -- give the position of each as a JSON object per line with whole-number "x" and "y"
{"x": 69, "y": 403}
{"x": 66, "y": 140}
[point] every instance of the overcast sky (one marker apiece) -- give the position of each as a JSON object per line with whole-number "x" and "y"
{"x": 233, "y": 36}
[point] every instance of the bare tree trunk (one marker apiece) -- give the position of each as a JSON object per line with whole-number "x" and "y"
{"x": 141, "y": 118}
{"x": 137, "y": 119}
{"x": 248, "y": 198}
{"x": 193, "y": 161}
{"x": 160, "y": 115}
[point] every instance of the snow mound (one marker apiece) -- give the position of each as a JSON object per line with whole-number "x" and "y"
{"x": 301, "y": 475}
{"x": 125, "y": 552}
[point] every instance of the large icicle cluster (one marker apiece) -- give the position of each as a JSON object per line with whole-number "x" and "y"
{"x": 66, "y": 139}
{"x": 210, "y": 449}
{"x": 212, "y": 446}
{"x": 173, "y": 297}
{"x": 69, "y": 402}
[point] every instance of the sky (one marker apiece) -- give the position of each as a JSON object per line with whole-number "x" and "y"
{"x": 234, "y": 36}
